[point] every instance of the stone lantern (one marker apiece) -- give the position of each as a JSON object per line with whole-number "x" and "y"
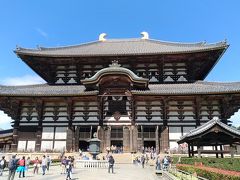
{"x": 94, "y": 146}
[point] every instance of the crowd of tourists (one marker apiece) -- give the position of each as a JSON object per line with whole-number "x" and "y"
{"x": 67, "y": 165}
{"x": 21, "y": 165}
{"x": 115, "y": 149}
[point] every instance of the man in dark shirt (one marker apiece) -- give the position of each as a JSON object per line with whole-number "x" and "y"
{"x": 111, "y": 162}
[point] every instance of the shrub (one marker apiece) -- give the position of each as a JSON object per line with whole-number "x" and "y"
{"x": 207, "y": 174}
{"x": 232, "y": 164}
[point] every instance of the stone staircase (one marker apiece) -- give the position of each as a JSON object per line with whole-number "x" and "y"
{"x": 122, "y": 158}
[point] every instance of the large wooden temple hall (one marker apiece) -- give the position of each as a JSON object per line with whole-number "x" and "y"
{"x": 131, "y": 92}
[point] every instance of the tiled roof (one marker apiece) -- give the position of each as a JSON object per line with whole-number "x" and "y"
{"x": 121, "y": 47}
{"x": 205, "y": 127}
{"x": 44, "y": 90}
{"x": 199, "y": 87}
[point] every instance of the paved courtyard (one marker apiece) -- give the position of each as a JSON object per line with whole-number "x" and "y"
{"x": 122, "y": 172}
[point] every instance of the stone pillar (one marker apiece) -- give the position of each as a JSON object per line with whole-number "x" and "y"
{"x": 126, "y": 139}
{"x": 70, "y": 135}
{"x": 38, "y": 139}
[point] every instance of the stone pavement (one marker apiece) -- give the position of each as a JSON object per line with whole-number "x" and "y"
{"x": 122, "y": 172}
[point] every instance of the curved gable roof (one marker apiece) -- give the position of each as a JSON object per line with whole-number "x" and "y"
{"x": 122, "y": 47}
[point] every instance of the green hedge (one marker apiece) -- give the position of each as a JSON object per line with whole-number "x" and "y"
{"x": 232, "y": 164}
{"x": 208, "y": 174}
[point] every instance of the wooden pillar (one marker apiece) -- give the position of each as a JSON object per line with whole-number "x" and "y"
{"x": 69, "y": 143}
{"x": 197, "y": 110}
{"x": 77, "y": 129}
{"x": 142, "y": 137}
{"x": 216, "y": 149}
{"x": 192, "y": 147}
{"x": 221, "y": 148}
{"x": 164, "y": 141}
{"x": 232, "y": 151}
{"x": 100, "y": 135}
{"x": 134, "y": 138}
{"x": 39, "y": 107}
{"x": 199, "y": 150}
{"x": 157, "y": 139}
{"x": 131, "y": 138}
{"x": 107, "y": 137}
{"x": 126, "y": 139}
{"x": 189, "y": 150}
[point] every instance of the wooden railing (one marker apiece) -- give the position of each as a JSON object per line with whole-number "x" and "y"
{"x": 91, "y": 164}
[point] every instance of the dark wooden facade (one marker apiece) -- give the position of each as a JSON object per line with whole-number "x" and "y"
{"x": 146, "y": 99}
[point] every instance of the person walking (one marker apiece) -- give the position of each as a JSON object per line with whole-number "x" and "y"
{"x": 69, "y": 168}
{"x": 36, "y": 165}
{"x": 28, "y": 161}
{"x": 63, "y": 165}
{"x": 3, "y": 164}
{"x": 158, "y": 163}
{"x": 48, "y": 162}
{"x": 143, "y": 160}
{"x": 12, "y": 166}
{"x": 21, "y": 167}
{"x": 44, "y": 165}
{"x": 111, "y": 162}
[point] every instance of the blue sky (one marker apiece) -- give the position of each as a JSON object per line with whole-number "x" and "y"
{"x": 55, "y": 23}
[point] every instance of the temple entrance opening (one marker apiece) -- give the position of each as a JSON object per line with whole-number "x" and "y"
{"x": 83, "y": 145}
{"x": 150, "y": 144}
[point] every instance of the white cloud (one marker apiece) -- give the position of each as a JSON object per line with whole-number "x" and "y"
{"x": 22, "y": 80}
{"x": 5, "y": 121}
{"x": 41, "y": 32}
{"x": 236, "y": 119}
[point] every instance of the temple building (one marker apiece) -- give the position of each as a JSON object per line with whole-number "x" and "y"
{"x": 131, "y": 92}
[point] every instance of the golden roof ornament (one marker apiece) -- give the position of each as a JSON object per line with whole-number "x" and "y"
{"x": 102, "y": 37}
{"x": 145, "y": 35}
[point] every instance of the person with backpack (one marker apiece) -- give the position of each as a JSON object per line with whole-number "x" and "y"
{"x": 111, "y": 162}
{"x": 2, "y": 165}
{"x": 12, "y": 166}
{"x": 21, "y": 167}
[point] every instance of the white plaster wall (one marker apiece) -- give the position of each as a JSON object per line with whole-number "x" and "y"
{"x": 31, "y": 145}
{"x": 47, "y": 132}
{"x": 46, "y": 145}
{"x": 21, "y": 145}
{"x": 59, "y": 145}
{"x": 174, "y": 133}
{"x": 61, "y": 133}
